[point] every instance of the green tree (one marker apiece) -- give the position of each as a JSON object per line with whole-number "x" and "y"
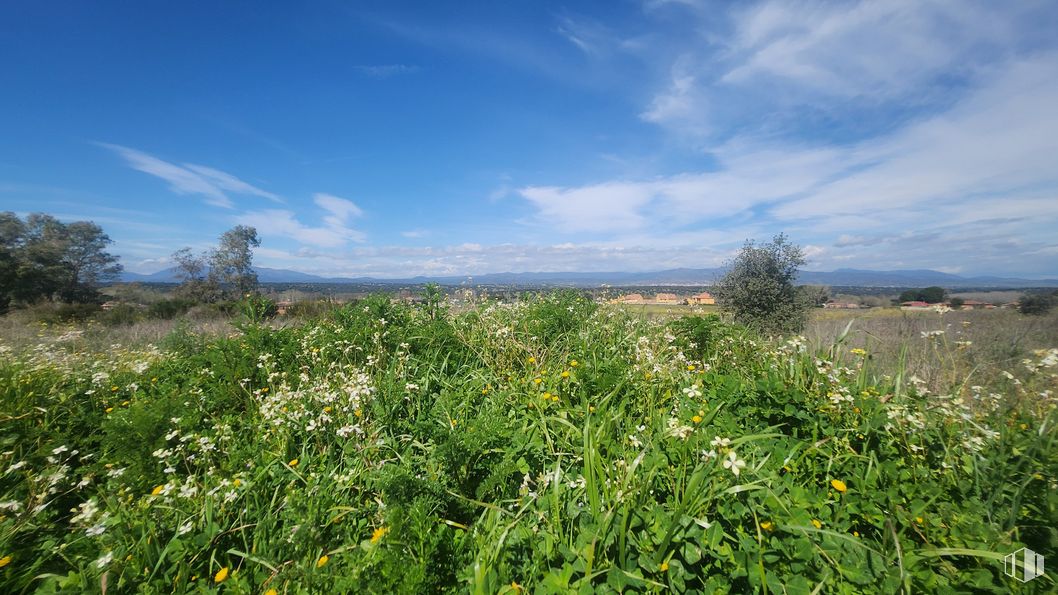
{"x": 933, "y": 295}
{"x": 1037, "y": 304}
{"x": 195, "y": 285}
{"x": 930, "y": 295}
{"x": 43, "y": 258}
{"x": 758, "y": 288}
{"x": 231, "y": 263}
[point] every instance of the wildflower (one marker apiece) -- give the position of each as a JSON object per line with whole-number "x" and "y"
{"x": 293, "y": 463}
{"x": 105, "y": 560}
{"x": 919, "y": 520}
{"x": 839, "y": 485}
{"x": 817, "y": 524}
{"x": 157, "y": 490}
{"x": 665, "y": 566}
{"x": 565, "y": 373}
{"x": 721, "y": 442}
{"x": 767, "y": 525}
{"x": 379, "y": 533}
{"x": 221, "y": 576}
{"x": 5, "y": 561}
{"x": 532, "y": 360}
{"x": 574, "y": 364}
{"x": 322, "y": 561}
{"x": 697, "y": 419}
{"x": 516, "y": 587}
{"x": 271, "y": 592}
{"x": 537, "y": 380}
{"x": 734, "y": 463}
{"x": 859, "y": 352}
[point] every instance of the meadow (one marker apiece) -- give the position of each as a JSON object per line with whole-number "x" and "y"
{"x": 551, "y": 445}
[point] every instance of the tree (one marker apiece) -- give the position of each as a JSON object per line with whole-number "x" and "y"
{"x": 221, "y": 273}
{"x": 758, "y": 288}
{"x": 1037, "y": 304}
{"x": 43, "y": 258}
{"x": 930, "y": 295}
{"x": 191, "y": 268}
{"x": 231, "y": 263}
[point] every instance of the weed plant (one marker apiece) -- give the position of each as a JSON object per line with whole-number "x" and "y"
{"x": 549, "y": 445}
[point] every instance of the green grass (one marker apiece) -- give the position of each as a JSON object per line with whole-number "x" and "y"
{"x": 551, "y": 445}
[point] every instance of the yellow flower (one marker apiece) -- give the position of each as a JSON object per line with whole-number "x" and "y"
{"x": 327, "y": 409}
{"x": 919, "y": 520}
{"x": 358, "y": 413}
{"x": 839, "y": 485}
{"x": 516, "y": 587}
{"x": 859, "y": 352}
{"x": 855, "y": 533}
{"x": 665, "y": 566}
{"x": 237, "y": 482}
{"x": 157, "y": 490}
{"x": 5, "y": 561}
{"x": 697, "y": 419}
{"x": 591, "y": 408}
{"x": 532, "y": 360}
{"x": 322, "y": 561}
{"x": 565, "y": 373}
{"x": 767, "y": 525}
{"x": 221, "y": 576}
{"x": 271, "y": 592}
{"x": 293, "y": 463}
{"x": 690, "y": 366}
{"x": 574, "y": 364}
{"x": 109, "y": 409}
{"x": 378, "y": 534}
{"x": 817, "y": 524}
{"x": 537, "y": 380}
{"x": 547, "y": 396}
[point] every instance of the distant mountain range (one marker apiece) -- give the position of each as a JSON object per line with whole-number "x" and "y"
{"x": 840, "y": 277}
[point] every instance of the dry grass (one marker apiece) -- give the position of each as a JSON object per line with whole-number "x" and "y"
{"x": 975, "y": 345}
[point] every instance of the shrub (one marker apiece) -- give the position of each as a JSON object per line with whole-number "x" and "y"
{"x": 169, "y": 309}
{"x": 759, "y": 289}
{"x": 1036, "y": 304}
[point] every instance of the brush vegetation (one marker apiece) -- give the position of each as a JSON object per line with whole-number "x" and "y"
{"x": 550, "y": 445}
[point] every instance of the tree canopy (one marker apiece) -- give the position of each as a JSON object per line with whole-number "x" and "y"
{"x": 43, "y": 258}
{"x": 759, "y": 290}
{"x": 223, "y": 272}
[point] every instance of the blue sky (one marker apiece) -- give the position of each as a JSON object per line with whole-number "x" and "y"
{"x": 401, "y": 138}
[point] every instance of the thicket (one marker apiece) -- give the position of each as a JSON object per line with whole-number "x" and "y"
{"x": 549, "y": 445}
{"x": 43, "y": 259}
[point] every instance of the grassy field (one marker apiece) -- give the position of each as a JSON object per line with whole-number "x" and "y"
{"x": 547, "y": 446}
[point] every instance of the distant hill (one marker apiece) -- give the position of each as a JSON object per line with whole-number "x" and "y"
{"x": 696, "y": 277}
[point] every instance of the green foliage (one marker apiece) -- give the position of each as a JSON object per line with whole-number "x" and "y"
{"x": 930, "y": 295}
{"x": 42, "y": 258}
{"x": 1037, "y": 304}
{"x": 550, "y": 445}
{"x": 169, "y": 309}
{"x": 758, "y": 288}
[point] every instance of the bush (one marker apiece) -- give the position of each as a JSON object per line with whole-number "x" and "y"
{"x": 759, "y": 287}
{"x": 169, "y": 309}
{"x": 59, "y": 313}
{"x": 1036, "y": 304}
{"x": 120, "y": 315}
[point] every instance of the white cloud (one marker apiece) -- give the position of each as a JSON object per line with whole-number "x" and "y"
{"x": 189, "y": 178}
{"x": 334, "y": 233}
{"x": 340, "y": 209}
